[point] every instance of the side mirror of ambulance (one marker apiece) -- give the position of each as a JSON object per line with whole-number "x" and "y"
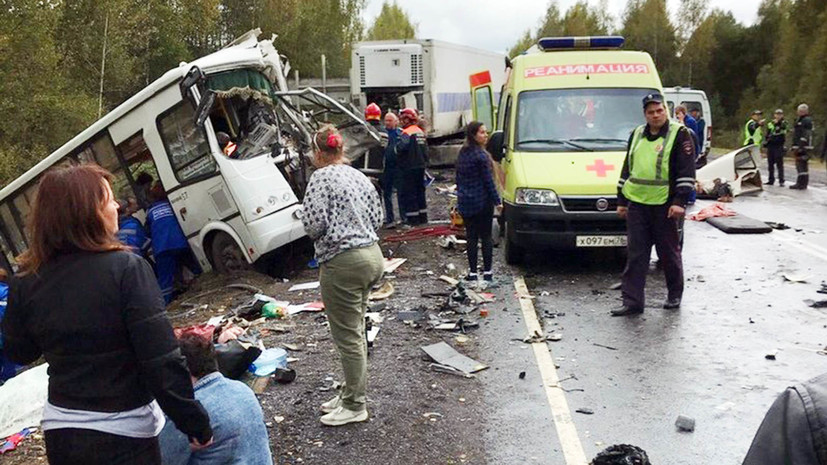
{"x": 496, "y": 146}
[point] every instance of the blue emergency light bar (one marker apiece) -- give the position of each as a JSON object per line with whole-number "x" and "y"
{"x": 570, "y": 43}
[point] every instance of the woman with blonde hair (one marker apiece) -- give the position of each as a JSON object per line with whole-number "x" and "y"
{"x": 94, "y": 311}
{"x": 342, "y": 212}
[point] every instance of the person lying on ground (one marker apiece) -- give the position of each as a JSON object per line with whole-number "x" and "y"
{"x": 793, "y": 430}
{"x": 236, "y": 416}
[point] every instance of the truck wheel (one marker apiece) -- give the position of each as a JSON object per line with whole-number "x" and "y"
{"x": 513, "y": 253}
{"x": 227, "y": 257}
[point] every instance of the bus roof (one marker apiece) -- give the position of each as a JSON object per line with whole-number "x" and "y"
{"x": 246, "y": 51}
{"x": 572, "y": 69}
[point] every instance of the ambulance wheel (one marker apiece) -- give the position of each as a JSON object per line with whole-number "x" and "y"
{"x": 226, "y": 256}
{"x": 513, "y": 253}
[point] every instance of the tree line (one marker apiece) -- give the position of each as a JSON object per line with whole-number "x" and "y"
{"x": 777, "y": 62}
{"x": 65, "y": 63}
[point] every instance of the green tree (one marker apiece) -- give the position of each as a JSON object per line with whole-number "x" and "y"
{"x": 42, "y": 109}
{"x": 583, "y": 20}
{"x": 391, "y": 24}
{"x": 525, "y": 42}
{"x": 646, "y": 26}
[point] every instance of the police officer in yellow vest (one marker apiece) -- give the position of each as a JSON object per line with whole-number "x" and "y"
{"x": 753, "y": 134}
{"x": 657, "y": 178}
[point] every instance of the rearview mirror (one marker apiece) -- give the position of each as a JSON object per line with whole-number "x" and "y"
{"x": 204, "y": 108}
{"x": 496, "y": 145}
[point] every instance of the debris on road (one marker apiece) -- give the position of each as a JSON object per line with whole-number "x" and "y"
{"x": 771, "y": 355}
{"x": 816, "y": 303}
{"x": 391, "y": 264}
{"x": 12, "y": 441}
{"x": 521, "y": 375}
{"x": 615, "y": 286}
{"x": 797, "y": 278}
{"x": 450, "y": 370}
{"x": 739, "y": 225}
{"x": 444, "y": 354}
{"x": 685, "y": 423}
{"x": 713, "y": 211}
{"x": 385, "y": 291}
{"x": 779, "y": 226}
{"x": 305, "y": 286}
{"x": 307, "y": 307}
{"x": 604, "y": 346}
{"x": 423, "y": 233}
{"x": 585, "y": 411}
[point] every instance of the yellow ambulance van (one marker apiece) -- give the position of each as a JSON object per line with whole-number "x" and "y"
{"x": 564, "y": 119}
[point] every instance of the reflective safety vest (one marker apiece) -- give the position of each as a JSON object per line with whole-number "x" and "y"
{"x": 756, "y": 138}
{"x": 648, "y": 181}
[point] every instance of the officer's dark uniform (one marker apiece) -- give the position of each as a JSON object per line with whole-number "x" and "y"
{"x": 802, "y": 143}
{"x": 659, "y": 171}
{"x": 412, "y": 158}
{"x": 776, "y": 137}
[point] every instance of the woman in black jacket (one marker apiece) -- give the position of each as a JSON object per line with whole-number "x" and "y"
{"x": 93, "y": 310}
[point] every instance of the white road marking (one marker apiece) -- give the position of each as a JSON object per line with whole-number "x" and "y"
{"x": 807, "y": 247}
{"x": 566, "y": 431}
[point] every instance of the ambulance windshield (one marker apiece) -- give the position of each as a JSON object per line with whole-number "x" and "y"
{"x": 567, "y": 120}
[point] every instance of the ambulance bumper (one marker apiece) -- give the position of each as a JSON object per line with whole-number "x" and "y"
{"x": 552, "y": 226}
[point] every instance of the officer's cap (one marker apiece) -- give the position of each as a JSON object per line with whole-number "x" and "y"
{"x": 779, "y": 112}
{"x": 652, "y": 98}
{"x": 757, "y": 112}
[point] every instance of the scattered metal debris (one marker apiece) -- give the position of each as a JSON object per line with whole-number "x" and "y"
{"x": 444, "y": 354}
{"x": 685, "y": 423}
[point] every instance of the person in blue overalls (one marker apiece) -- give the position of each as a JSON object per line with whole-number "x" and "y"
{"x": 169, "y": 245}
{"x": 7, "y": 368}
{"x": 130, "y": 230}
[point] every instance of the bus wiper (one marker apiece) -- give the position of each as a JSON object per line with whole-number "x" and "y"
{"x": 599, "y": 139}
{"x": 553, "y": 141}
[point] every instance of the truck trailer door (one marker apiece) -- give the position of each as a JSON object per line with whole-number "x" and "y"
{"x": 482, "y": 99}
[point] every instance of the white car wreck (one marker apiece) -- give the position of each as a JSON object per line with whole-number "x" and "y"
{"x": 737, "y": 169}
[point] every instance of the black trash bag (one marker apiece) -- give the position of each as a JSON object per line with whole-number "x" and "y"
{"x": 233, "y": 359}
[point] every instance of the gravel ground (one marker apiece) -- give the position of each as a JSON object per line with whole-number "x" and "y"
{"x": 417, "y": 415}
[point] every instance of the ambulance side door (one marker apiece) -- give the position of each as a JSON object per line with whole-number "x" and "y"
{"x": 482, "y": 99}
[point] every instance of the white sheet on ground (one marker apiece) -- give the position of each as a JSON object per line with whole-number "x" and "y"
{"x": 22, "y": 399}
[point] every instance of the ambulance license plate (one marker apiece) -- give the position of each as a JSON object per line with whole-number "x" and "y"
{"x": 601, "y": 241}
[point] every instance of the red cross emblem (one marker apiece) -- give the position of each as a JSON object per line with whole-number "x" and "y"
{"x": 600, "y": 167}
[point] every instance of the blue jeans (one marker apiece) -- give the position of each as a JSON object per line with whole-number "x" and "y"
{"x": 390, "y": 179}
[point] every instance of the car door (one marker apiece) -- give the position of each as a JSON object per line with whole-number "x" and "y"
{"x": 482, "y": 99}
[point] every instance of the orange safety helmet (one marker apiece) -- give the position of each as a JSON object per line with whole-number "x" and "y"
{"x": 373, "y": 112}
{"x": 410, "y": 113}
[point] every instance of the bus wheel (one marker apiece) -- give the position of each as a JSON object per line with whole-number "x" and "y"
{"x": 226, "y": 256}
{"x": 513, "y": 253}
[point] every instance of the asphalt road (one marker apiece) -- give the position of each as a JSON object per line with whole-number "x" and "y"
{"x": 637, "y": 374}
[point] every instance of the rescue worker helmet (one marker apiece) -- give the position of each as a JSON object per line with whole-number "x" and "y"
{"x": 410, "y": 113}
{"x": 373, "y": 112}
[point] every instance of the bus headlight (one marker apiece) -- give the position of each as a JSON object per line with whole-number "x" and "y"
{"x": 537, "y": 197}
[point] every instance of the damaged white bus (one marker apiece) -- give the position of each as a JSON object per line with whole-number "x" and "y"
{"x": 234, "y": 209}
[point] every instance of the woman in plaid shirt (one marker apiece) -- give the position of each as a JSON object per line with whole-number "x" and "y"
{"x": 476, "y": 197}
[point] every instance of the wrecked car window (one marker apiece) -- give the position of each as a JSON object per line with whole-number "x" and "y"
{"x": 186, "y": 144}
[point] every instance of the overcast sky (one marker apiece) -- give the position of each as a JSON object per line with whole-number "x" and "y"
{"x": 497, "y": 24}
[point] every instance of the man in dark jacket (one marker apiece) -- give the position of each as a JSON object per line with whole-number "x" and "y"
{"x": 776, "y": 137}
{"x": 657, "y": 178}
{"x": 802, "y": 143}
{"x": 412, "y": 158}
{"x": 794, "y": 431}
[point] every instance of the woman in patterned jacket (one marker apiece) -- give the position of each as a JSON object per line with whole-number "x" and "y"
{"x": 342, "y": 212}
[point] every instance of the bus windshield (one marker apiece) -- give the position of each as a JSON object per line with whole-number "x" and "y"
{"x": 571, "y": 120}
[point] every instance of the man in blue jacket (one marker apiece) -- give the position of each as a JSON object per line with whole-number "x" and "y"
{"x": 130, "y": 230}
{"x": 239, "y": 434}
{"x": 169, "y": 245}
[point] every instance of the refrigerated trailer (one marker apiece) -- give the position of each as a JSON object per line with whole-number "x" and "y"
{"x": 429, "y": 75}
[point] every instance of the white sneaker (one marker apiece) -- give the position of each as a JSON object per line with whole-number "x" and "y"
{"x": 332, "y": 404}
{"x": 342, "y": 416}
